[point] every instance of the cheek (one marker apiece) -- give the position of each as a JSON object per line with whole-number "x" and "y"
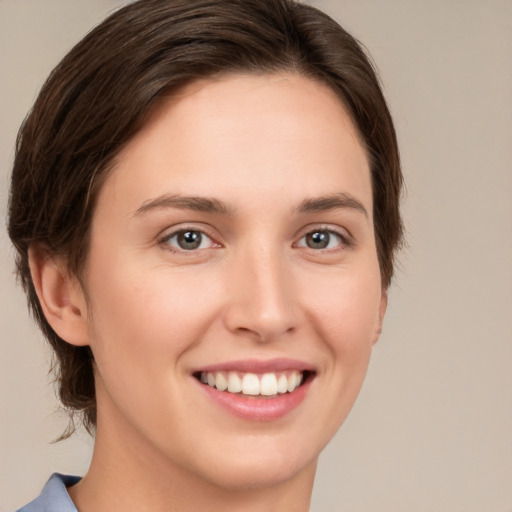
{"x": 350, "y": 321}
{"x": 348, "y": 310}
{"x": 148, "y": 313}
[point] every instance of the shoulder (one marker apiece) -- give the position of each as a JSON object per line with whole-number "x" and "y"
{"x": 54, "y": 497}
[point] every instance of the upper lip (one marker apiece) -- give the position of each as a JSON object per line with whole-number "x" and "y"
{"x": 258, "y": 366}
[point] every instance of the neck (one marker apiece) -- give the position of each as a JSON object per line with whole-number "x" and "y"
{"x": 127, "y": 473}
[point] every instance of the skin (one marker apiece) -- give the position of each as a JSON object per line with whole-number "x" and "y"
{"x": 262, "y": 145}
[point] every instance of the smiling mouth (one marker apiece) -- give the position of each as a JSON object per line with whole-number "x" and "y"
{"x": 254, "y": 385}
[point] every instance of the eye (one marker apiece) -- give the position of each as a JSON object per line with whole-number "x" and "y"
{"x": 188, "y": 240}
{"x": 321, "y": 239}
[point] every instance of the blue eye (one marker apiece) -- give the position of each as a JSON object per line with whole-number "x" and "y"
{"x": 321, "y": 239}
{"x": 188, "y": 240}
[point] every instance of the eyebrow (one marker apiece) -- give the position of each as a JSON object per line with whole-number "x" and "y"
{"x": 212, "y": 205}
{"x": 199, "y": 204}
{"x": 332, "y": 202}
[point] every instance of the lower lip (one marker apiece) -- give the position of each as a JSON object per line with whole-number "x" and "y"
{"x": 258, "y": 409}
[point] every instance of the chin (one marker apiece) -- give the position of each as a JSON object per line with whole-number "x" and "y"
{"x": 260, "y": 474}
{"x": 262, "y": 461}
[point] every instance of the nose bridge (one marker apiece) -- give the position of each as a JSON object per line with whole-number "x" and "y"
{"x": 261, "y": 299}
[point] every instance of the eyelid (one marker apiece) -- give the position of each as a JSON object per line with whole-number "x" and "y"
{"x": 347, "y": 240}
{"x": 170, "y": 232}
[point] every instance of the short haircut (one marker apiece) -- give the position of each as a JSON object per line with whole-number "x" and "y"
{"x": 105, "y": 89}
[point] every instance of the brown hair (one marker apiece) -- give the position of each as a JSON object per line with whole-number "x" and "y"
{"x": 105, "y": 88}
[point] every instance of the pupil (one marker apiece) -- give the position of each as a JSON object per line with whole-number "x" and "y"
{"x": 189, "y": 240}
{"x": 318, "y": 240}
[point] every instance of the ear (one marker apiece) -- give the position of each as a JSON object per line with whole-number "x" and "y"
{"x": 382, "y": 312}
{"x": 60, "y": 295}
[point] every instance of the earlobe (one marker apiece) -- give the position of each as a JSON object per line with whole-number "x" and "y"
{"x": 382, "y": 312}
{"x": 61, "y": 297}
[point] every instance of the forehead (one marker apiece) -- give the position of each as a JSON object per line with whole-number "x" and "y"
{"x": 259, "y": 131}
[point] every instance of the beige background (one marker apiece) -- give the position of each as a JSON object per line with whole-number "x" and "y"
{"x": 432, "y": 430}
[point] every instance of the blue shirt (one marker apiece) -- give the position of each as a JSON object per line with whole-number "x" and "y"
{"x": 54, "y": 497}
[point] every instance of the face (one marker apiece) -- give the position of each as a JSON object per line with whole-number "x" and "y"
{"x": 233, "y": 247}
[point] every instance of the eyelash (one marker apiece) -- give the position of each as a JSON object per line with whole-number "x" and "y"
{"x": 164, "y": 241}
{"x": 345, "y": 241}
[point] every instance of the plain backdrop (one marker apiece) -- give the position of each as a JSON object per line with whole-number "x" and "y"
{"x": 432, "y": 429}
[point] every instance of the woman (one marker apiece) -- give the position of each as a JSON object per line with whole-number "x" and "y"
{"x": 205, "y": 205}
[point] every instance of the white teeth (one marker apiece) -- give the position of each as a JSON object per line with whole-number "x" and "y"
{"x": 234, "y": 383}
{"x": 282, "y": 384}
{"x": 220, "y": 382}
{"x": 251, "y": 384}
{"x": 268, "y": 384}
{"x": 293, "y": 381}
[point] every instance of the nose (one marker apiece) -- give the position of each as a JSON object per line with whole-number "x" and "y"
{"x": 261, "y": 299}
